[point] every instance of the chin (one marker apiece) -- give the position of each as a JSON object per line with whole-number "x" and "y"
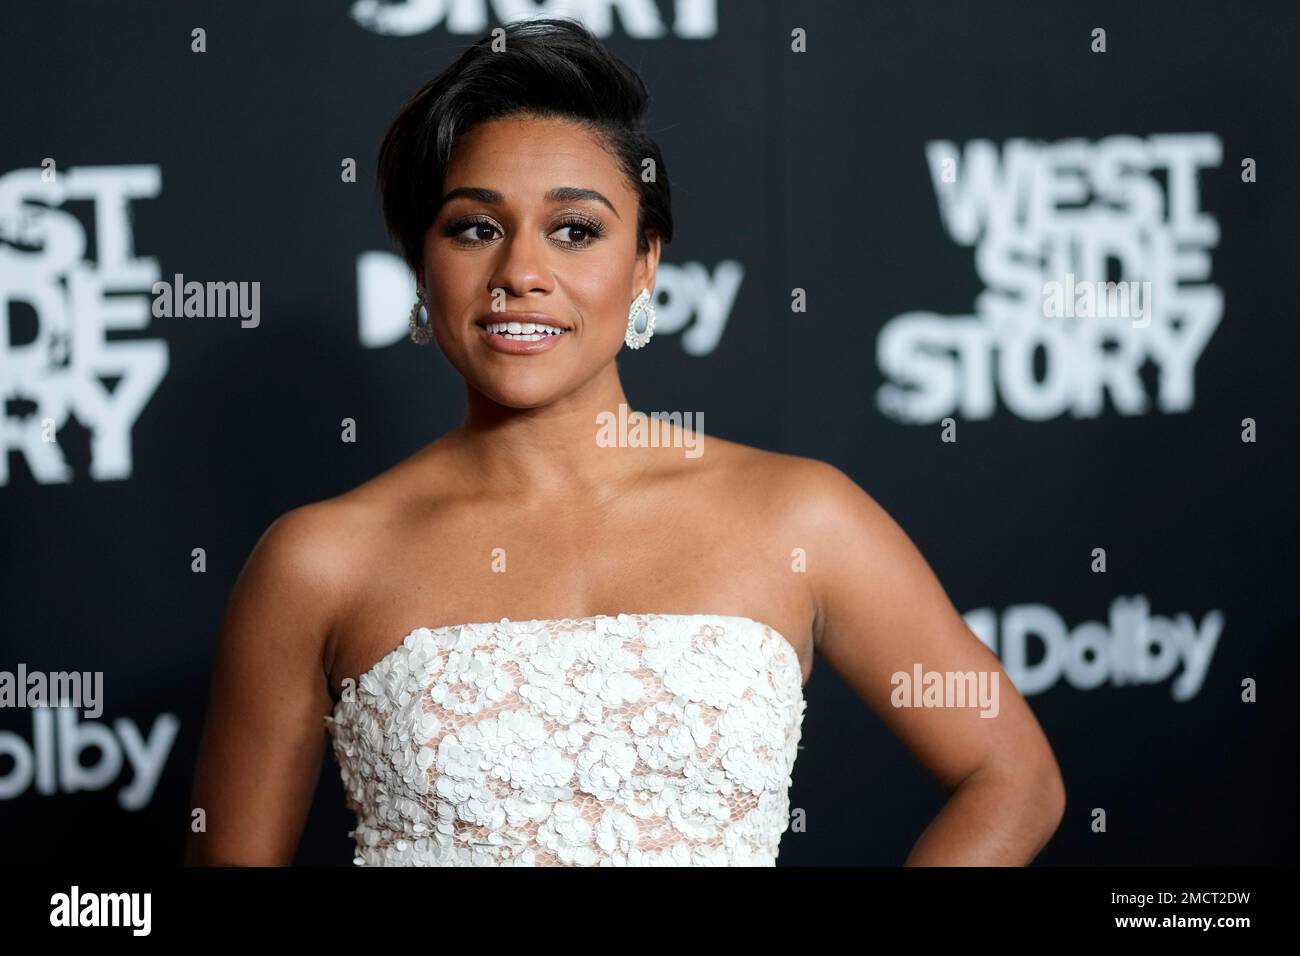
{"x": 518, "y": 394}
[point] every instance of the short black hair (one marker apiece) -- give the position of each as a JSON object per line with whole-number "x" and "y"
{"x": 551, "y": 67}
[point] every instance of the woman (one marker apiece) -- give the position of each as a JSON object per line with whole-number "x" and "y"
{"x": 606, "y": 642}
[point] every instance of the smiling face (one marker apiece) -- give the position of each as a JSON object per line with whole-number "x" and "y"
{"x": 537, "y": 218}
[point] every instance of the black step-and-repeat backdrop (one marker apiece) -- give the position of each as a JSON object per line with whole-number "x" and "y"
{"x": 1024, "y": 271}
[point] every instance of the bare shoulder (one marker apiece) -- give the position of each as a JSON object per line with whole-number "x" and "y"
{"x": 306, "y": 544}
{"x": 318, "y": 547}
{"x": 262, "y": 744}
{"x": 808, "y": 492}
{"x": 841, "y": 523}
{"x": 328, "y": 538}
{"x": 842, "y": 536}
{"x": 297, "y": 572}
{"x": 319, "y": 553}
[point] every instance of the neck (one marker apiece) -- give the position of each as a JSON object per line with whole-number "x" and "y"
{"x": 547, "y": 452}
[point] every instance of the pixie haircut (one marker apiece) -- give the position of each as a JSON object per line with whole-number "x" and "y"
{"x": 550, "y": 67}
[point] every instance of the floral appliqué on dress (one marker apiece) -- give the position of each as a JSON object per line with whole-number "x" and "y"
{"x": 636, "y": 740}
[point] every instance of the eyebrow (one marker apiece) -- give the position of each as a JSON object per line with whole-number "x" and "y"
{"x": 560, "y": 194}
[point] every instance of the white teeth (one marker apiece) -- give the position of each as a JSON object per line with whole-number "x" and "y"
{"x": 524, "y": 331}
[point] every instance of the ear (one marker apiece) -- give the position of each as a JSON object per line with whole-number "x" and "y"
{"x": 647, "y": 267}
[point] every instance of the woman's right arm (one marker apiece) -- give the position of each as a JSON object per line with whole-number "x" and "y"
{"x": 264, "y": 737}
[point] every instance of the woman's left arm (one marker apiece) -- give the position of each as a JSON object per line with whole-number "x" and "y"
{"x": 882, "y": 617}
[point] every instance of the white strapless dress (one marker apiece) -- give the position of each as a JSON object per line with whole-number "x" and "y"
{"x": 636, "y": 740}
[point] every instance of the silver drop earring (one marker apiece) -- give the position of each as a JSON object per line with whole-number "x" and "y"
{"x": 421, "y": 327}
{"x": 641, "y": 305}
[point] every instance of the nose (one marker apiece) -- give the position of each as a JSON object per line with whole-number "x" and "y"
{"x": 521, "y": 267}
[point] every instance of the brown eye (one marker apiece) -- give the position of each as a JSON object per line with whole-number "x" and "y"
{"x": 471, "y": 232}
{"x": 581, "y": 232}
{"x": 477, "y": 232}
{"x": 576, "y": 233}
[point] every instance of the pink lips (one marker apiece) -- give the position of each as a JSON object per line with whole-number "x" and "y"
{"x": 501, "y": 343}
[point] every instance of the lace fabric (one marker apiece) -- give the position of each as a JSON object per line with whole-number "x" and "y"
{"x": 636, "y": 740}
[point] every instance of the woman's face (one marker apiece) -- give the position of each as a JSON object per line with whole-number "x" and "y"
{"x": 524, "y": 228}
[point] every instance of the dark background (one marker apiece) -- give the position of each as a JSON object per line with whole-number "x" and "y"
{"x": 809, "y": 170}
